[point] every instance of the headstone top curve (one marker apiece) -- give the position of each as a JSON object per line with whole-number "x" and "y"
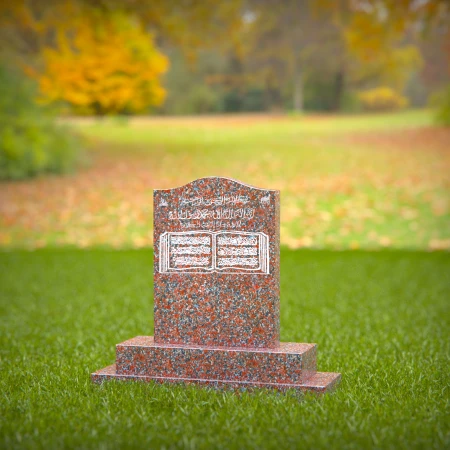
{"x": 210, "y": 178}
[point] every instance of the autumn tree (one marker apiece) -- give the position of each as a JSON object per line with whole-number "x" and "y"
{"x": 102, "y": 56}
{"x": 381, "y": 40}
{"x": 284, "y": 36}
{"x": 355, "y": 44}
{"x": 98, "y": 64}
{"x": 285, "y": 49}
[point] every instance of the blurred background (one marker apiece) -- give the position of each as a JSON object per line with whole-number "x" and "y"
{"x": 342, "y": 105}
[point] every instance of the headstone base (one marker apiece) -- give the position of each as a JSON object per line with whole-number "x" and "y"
{"x": 289, "y": 366}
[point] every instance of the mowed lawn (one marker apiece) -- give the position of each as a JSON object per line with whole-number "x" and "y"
{"x": 380, "y": 318}
{"x": 346, "y": 182}
{"x": 365, "y": 273}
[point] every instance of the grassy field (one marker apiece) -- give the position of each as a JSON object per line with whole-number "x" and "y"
{"x": 368, "y": 181}
{"x": 378, "y": 317}
{"x": 348, "y": 183}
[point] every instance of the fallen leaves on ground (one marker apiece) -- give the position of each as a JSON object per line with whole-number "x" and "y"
{"x": 349, "y": 190}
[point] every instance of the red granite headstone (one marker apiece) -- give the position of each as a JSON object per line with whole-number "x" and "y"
{"x": 216, "y": 293}
{"x": 217, "y": 264}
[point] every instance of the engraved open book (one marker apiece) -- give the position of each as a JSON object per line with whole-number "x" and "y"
{"x": 207, "y": 251}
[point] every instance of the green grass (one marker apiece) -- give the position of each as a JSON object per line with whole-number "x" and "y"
{"x": 200, "y": 131}
{"x": 379, "y": 318}
{"x": 362, "y": 181}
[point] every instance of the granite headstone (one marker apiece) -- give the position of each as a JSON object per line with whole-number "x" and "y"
{"x": 217, "y": 295}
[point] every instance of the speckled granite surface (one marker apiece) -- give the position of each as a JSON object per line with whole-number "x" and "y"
{"x": 289, "y": 363}
{"x": 320, "y": 382}
{"x": 217, "y": 264}
{"x": 216, "y": 294}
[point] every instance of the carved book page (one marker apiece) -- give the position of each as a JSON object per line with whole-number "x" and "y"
{"x": 207, "y": 251}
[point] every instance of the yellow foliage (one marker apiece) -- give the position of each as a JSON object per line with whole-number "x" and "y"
{"x": 377, "y": 48}
{"x": 382, "y": 99}
{"x": 101, "y": 64}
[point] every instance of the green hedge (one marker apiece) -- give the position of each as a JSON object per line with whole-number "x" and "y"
{"x": 31, "y": 142}
{"x": 441, "y": 102}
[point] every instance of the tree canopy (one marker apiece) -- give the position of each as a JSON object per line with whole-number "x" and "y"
{"x": 100, "y": 57}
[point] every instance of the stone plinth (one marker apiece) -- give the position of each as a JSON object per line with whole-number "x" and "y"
{"x": 289, "y": 366}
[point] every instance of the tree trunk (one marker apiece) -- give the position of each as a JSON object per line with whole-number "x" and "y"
{"x": 338, "y": 91}
{"x": 298, "y": 88}
{"x": 273, "y": 98}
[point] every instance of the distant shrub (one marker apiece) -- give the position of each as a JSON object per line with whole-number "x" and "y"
{"x": 382, "y": 99}
{"x": 202, "y": 99}
{"x": 30, "y": 141}
{"x": 440, "y": 101}
{"x": 253, "y": 100}
{"x": 232, "y": 101}
{"x": 351, "y": 103}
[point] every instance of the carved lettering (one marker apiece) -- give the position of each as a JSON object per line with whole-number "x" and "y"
{"x": 191, "y": 250}
{"x": 214, "y": 214}
{"x": 229, "y": 262}
{"x": 239, "y": 251}
{"x": 192, "y": 240}
{"x": 191, "y": 261}
{"x": 237, "y": 240}
{"x": 216, "y": 201}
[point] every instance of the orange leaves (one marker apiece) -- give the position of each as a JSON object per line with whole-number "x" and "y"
{"x": 351, "y": 190}
{"x": 382, "y": 99}
{"x": 375, "y": 38}
{"x": 365, "y": 36}
{"x": 101, "y": 63}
